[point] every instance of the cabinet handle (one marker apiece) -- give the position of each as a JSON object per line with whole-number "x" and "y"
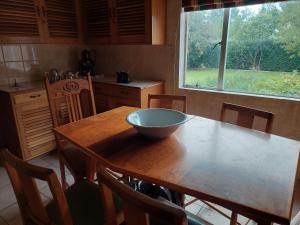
{"x": 38, "y": 11}
{"x": 35, "y": 96}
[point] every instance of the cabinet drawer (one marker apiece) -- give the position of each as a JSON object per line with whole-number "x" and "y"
{"x": 102, "y": 89}
{"x": 31, "y": 96}
{"x": 102, "y": 100}
{"x": 118, "y": 102}
{"x": 127, "y": 92}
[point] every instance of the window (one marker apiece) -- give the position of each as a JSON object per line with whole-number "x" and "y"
{"x": 250, "y": 49}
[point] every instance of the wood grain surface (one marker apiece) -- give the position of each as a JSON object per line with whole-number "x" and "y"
{"x": 248, "y": 171}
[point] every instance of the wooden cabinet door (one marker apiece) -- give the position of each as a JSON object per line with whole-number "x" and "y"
{"x": 35, "y": 128}
{"x": 62, "y": 20}
{"x": 132, "y": 19}
{"x": 20, "y": 21}
{"x": 98, "y": 21}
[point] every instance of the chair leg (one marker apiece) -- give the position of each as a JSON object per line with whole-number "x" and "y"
{"x": 233, "y": 219}
{"x": 64, "y": 183}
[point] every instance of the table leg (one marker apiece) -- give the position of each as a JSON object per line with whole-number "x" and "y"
{"x": 91, "y": 170}
{"x": 233, "y": 219}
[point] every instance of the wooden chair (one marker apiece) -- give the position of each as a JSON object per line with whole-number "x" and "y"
{"x": 140, "y": 209}
{"x": 246, "y": 116}
{"x": 81, "y": 204}
{"x": 167, "y": 101}
{"x": 71, "y": 100}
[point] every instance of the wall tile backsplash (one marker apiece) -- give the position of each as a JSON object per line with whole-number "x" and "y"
{"x": 25, "y": 63}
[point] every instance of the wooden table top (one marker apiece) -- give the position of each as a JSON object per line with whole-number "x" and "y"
{"x": 238, "y": 168}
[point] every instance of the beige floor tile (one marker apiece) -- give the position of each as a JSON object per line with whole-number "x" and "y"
{"x": 45, "y": 191}
{"x": 241, "y": 219}
{"x": 7, "y": 196}
{"x": 51, "y": 158}
{"x": 193, "y": 208}
{"x": 211, "y": 216}
{"x": 3, "y": 222}
{"x": 11, "y": 215}
{"x": 296, "y": 206}
{"x": 39, "y": 161}
{"x": 4, "y": 179}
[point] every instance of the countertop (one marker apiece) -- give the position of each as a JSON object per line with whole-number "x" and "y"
{"x": 135, "y": 83}
{"x": 26, "y": 86}
{"x": 36, "y": 85}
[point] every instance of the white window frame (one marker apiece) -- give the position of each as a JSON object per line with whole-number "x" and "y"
{"x": 222, "y": 65}
{"x": 184, "y": 44}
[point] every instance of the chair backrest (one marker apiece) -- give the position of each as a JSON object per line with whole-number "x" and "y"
{"x": 167, "y": 101}
{"x": 70, "y": 100}
{"x": 23, "y": 176}
{"x": 138, "y": 208}
{"x": 246, "y": 115}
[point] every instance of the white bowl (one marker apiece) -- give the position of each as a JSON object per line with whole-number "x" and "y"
{"x": 156, "y": 122}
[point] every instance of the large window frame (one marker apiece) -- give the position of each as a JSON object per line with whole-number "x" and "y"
{"x": 183, "y": 44}
{"x": 223, "y": 43}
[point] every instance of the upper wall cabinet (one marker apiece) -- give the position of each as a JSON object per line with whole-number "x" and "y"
{"x": 19, "y": 22}
{"x": 125, "y": 21}
{"x": 98, "y": 21}
{"x": 40, "y": 21}
{"x": 62, "y": 20}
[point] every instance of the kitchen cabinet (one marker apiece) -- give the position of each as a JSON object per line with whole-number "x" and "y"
{"x": 109, "y": 94}
{"x": 125, "y": 21}
{"x": 26, "y": 119}
{"x": 62, "y": 19}
{"x": 19, "y": 22}
{"x": 40, "y": 21}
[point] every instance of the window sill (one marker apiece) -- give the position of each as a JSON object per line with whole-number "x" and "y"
{"x": 274, "y": 97}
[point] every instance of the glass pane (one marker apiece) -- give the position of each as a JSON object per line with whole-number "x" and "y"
{"x": 203, "y": 51}
{"x": 263, "y": 51}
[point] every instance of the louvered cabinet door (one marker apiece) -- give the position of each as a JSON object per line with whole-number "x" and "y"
{"x": 20, "y": 21}
{"x": 99, "y": 27}
{"x": 35, "y": 128}
{"x": 62, "y": 21}
{"x": 132, "y": 21}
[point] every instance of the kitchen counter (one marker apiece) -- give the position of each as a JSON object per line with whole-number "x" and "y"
{"x": 142, "y": 84}
{"x": 23, "y": 87}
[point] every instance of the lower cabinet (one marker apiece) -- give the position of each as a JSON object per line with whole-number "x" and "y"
{"x": 109, "y": 95}
{"x": 27, "y": 123}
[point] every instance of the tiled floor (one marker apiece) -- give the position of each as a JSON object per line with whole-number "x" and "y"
{"x": 9, "y": 211}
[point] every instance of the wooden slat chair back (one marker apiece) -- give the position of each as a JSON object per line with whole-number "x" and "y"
{"x": 23, "y": 176}
{"x": 70, "y": 100}
{"x": 167, "y": 101}
{"x": 246, "y": 116}
{"x": 139, "y": 208}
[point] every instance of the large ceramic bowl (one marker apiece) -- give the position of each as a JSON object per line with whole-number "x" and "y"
{"x": 156, "y": 122}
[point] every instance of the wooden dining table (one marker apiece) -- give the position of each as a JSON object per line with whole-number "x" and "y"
{"x": 248, "y": 171}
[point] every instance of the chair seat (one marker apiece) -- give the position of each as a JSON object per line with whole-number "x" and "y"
{"x": 76, "y": 160}
{"x": 85, "y": 204}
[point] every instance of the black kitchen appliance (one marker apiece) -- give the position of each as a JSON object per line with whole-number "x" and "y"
{"x": 123, "y": 77}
